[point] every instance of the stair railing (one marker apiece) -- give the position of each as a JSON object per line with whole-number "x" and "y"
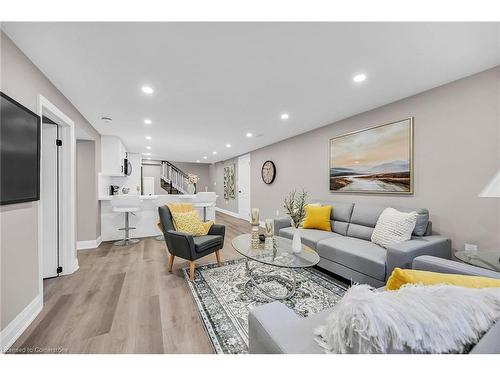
{"x": 174, "y": 178}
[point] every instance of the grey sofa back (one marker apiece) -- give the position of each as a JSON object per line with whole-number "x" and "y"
{"x": 358, "y": 220}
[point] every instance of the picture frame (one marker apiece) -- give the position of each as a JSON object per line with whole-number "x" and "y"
{"x": 375, "y": 160}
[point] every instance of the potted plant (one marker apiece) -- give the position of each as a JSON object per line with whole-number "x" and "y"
{"x": 192, "y": 180}
{"x": 295, "y": 207}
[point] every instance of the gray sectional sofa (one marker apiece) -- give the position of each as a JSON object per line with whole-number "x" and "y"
{"x": 348, "y": 251}
{"x": 273, "y": 328}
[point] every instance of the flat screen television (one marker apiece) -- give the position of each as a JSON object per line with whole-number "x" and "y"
{"x": 19, "y": 152}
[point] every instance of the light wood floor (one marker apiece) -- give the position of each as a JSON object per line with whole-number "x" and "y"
{"x": 123, "y": 300}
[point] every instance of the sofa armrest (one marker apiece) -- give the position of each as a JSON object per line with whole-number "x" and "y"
{"x": 180, "y": 244}
{"x": 265, "y": 323}
{"x": 402, "y": 254}
{"x": 434, "y": 264}
{"x": 280, "y": 223}
{"x": 218, "y": 230}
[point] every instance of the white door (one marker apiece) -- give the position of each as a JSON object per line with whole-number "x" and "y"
{"x": 49, "y": 200}
{"x": 244, "y": 186}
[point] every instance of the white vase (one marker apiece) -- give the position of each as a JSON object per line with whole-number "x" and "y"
{"x": 191, "y": 189}
{"x": 296, "y": 242}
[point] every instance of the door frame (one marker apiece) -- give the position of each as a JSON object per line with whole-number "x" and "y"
{"x": 68, "y": 260}
{"x": 249, "y": 185}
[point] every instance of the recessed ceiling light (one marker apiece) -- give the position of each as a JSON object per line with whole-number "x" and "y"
{"x": 197, "y": 161}
{"x": 214, "y": 152}
{"x": 148, "y": 121}
{"x": 359, "y": 77}
{"x": 148, "y": 147}
{"x": 148, "y": 158}
{"x": 249, "y": 135}
{"x": 148, "y": 137}
{"x": 228, "y": 145}
{"x": 146, "y": 153}
{"x": 147, "y": 90}
{"x": 106, "y": 119}
{"x": 284, "y": 116}
{"x": 205, "y": 157}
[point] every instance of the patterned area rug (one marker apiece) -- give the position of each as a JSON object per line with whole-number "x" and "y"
{"x": 223, "y": 302}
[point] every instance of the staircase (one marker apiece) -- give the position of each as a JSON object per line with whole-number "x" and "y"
{"x": 173, "y": 180}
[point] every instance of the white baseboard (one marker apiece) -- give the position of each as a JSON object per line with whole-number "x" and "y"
{"x": 18, "y": 325}
{"x": 230, "y": 213}
{"x": 90, "y": 244}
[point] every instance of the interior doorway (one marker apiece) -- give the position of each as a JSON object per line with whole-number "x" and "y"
{"x": 56, "y": 208}
{"x": 243, "y": 176}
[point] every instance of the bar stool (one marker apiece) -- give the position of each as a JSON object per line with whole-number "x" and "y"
{"x": 204, "y": 200}
{"x": 126, "y": 204}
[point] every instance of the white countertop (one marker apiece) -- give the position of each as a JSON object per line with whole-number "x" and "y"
{"x": 149, "y": 197}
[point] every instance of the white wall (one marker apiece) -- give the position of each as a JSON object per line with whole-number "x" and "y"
{"x": 24, "y": 82}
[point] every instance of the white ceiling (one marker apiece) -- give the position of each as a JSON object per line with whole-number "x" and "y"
{"x": 214, "y": 82}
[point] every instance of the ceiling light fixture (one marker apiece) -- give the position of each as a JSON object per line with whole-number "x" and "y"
{"x": 148, "y": 121}
{"x": 214, "y": 152}
{"x": 147, "y": 90}
{"x": 197, "y": 161}
{"x": 205, "y": 157}
{"x": 148, "y": 137}
{"x": 148, "y": 158}
{"x": 148, "y": 147}
{"x": 228, "y": 145}
{"x": 359, "y": 77}
{"x": 249, "y": 135}
{"x": 284, "y": 116}
{"x": 146, "y": 153}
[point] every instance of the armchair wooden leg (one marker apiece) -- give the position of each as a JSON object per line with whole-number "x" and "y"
{"x": 170, "y": 262}
{"x": 192, "y": 265}
{"x": 217, "y": 255}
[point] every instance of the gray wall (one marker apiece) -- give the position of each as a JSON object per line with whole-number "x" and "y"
{"x": 88, "y": 226}
{"x": 23, "y": 81}
{"x": 457, "y": 151}
{"x": 217, "y": 184}
{"x": 153, "y": 169}
{"x": 199, "y": 169}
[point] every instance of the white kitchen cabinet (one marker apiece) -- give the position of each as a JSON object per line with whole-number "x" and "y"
{"x": 113, "y": 153}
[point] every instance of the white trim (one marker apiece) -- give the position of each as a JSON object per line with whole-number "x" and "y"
{"x": 230, "y": 213}
{"x": 249, "y": 156}
{"x": 90, "y": 244}
{"x": 18, "y": 325}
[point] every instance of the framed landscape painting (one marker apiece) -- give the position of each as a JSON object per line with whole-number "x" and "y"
{"x": 375, "y": 160}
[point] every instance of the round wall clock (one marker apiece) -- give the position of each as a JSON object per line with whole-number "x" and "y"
{"x": 268, "y": 172}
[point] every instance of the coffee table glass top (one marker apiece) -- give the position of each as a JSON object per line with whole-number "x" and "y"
{"x": 485, "y": 259}
{"x": 280, "y": 256}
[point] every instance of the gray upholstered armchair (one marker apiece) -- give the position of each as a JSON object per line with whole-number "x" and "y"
{"x": 186, "y": 246}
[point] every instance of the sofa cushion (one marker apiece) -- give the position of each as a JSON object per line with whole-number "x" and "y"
{"x": 364, "y": 218}
{"x": 309, "y": 237}
{"x": 360, "y": 255}
{"x": 340, "y": 215}
{"x": 203, "y": 243}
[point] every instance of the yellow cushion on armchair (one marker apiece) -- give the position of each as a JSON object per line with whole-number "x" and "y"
{"x": 189, "y": 222}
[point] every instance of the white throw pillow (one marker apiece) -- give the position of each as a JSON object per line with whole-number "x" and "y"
{"x": 393, "y": 227}
{"x": 414, "y": 319}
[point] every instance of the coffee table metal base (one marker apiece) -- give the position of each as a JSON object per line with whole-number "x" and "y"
{"x": 256, "y": 280}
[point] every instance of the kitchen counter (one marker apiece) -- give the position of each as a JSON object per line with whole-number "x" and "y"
{"x": 146, "y": 218}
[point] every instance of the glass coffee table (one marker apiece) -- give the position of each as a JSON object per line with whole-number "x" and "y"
{"x": 482, "y": 258}
{"x": 280, "y": 257}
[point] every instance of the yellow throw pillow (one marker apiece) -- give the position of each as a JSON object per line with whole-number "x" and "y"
{"x": 207, "y": 225}
{"x": 318, "y": 218}
{"x": 400, "y": 277}
{"x": 180, "y": 207}
{"x": 189, "y": 222}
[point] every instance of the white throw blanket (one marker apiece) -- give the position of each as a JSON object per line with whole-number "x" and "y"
{"x": 415, "y": 318}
